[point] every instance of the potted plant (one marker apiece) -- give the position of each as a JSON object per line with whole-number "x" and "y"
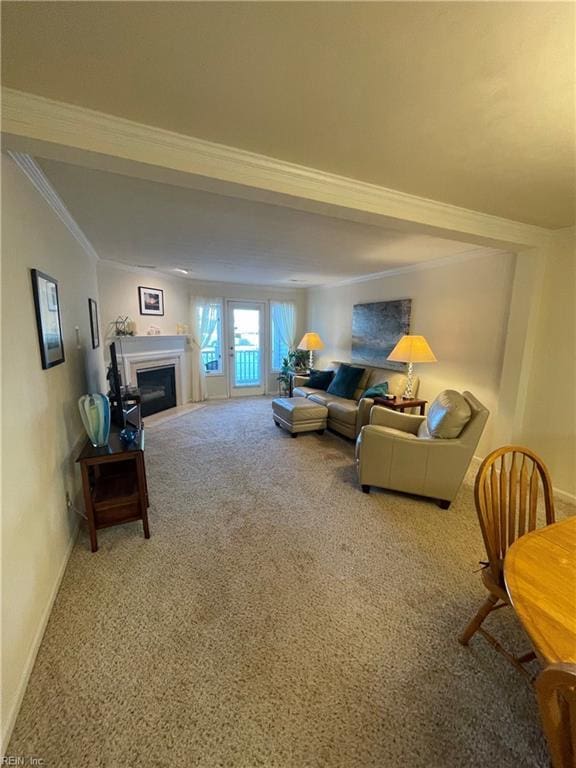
{"x": 284, "y": 376}
{"x": 298, "y": 359}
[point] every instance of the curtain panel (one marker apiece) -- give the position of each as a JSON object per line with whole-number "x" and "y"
{"x": 284, "y": 320}
{"x": 204, "y": 321}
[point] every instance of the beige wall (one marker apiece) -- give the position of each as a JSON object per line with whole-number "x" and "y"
{"x": 550, "y": 417}
{"x": 119, "y": 296}
{"x": 218, "y": 385}
{"x": 41, "y": 427}
{"x": 118, "y": 287}
{"x": 461, "y": 307}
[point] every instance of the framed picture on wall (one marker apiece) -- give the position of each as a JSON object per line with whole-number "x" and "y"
{"x": 151, "y": 301}
{"x": 94, "y": 328}
{"x": 47, "y": 306}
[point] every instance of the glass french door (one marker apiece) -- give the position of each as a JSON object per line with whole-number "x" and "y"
{"x": 246, "y": 347}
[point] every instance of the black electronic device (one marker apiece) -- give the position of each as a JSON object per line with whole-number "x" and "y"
{"x": 115, "y": 393}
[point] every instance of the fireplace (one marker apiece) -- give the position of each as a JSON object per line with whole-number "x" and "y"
{"x": 157, "y": 389}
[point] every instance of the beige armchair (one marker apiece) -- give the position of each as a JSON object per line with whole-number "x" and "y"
{"x": 423, "y": 455}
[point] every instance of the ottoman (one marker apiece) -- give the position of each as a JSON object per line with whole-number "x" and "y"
{"x": 297, "y": 414}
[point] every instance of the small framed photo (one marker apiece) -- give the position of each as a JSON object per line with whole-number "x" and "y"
{"x": 151, "y": 301}
{"x": 94, "y": 329}
{"x": 47, "y": 306}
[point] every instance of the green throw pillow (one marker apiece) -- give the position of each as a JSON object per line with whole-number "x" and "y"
{"x": 346, "y": 381}
{"x": 378, "y": 390}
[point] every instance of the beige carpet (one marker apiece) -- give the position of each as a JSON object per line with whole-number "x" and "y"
{"x": 277, "y": 617}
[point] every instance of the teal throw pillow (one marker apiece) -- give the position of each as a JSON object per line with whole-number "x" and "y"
{"x": 346, "y": 381}
{"x": 378, "y": 390}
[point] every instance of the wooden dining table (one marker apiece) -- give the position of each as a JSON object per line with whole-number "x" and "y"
{"x": 540, "y": 575}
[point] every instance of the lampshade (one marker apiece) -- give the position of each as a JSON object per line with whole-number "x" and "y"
{"x": 412, "y": 349}
{"x": 310, "y": 342}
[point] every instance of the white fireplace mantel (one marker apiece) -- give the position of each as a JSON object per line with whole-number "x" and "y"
{"x": 148, "y": 343}
{"x": 138, "y": 353}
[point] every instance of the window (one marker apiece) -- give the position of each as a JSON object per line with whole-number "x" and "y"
{"x": 210, "y": 332}
{"x": 282, "y": 331}
{"x": 279, "y": 350}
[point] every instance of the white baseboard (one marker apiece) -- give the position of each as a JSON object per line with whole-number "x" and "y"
{"x": 29, "y": 666}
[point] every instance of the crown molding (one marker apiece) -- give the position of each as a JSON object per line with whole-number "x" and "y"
{"x": 36, "y": 176}
{"x": 27, "y": 116}
{"x": 565, "y": 236}
{"x": 457, "y": 258}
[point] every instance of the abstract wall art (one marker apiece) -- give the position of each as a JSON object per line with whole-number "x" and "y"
{"x": 376, "y": 328}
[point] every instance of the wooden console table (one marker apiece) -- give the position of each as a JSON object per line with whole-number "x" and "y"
{"x": 114, "y": 484}
{"x": 401, "y": 404}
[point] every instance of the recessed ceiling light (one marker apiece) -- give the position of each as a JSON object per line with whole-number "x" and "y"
{"x": 182, "y": 271}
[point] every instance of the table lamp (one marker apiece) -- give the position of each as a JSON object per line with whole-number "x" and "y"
{"x": 412, "y": 349}
{"x": 310, "y": 342}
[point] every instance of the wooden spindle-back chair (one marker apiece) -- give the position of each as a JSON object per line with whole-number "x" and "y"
{"x": 513, "y": 495}
{"x": 556, "y": 691}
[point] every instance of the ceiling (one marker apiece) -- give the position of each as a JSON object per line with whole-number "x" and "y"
{"x": 468, "y": 103}
{"x": 214, "y": 237}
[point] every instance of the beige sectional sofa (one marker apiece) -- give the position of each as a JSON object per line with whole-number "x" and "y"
{"x": 349, "y": 416}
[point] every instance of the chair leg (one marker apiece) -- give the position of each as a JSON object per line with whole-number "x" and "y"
{"x": 487, "y": 606}
{"x": 526, "y": 657}
{"x": 516, "y": 661}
